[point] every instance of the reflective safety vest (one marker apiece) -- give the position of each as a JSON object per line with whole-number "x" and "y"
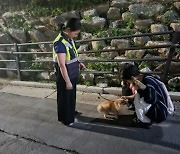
{"x": 72, "y": 63}
{"x": 68, "y": 47}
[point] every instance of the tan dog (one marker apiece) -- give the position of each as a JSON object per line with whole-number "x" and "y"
{"x": 111, "y": 106}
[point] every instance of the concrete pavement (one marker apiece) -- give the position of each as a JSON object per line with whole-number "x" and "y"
{"x": 28, "y": 124}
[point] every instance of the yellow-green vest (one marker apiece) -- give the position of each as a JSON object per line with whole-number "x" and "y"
{"x": 67, "y": 45}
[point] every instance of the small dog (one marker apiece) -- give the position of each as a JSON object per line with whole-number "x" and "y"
{"x": 111, "y": 106}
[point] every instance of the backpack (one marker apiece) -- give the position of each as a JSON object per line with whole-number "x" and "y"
{"x": 158, "y": 111}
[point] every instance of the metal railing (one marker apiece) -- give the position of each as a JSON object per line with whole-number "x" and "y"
{"x": 173, "y": 45}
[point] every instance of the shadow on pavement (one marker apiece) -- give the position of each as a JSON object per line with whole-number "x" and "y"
{"x": 123, "y": 128}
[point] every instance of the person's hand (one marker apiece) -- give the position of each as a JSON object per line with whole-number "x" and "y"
{"x": 123, "y": 97}
{"x": 69, "y": 85}
{"x": 82, "y": 66}
{"x": 138, "y": 84}
{"x": 135, "y": 81}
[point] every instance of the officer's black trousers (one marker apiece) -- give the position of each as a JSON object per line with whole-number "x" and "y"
{"x": 66, "y": 99}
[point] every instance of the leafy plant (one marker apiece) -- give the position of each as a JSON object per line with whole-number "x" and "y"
{"x": 102, "y": 66}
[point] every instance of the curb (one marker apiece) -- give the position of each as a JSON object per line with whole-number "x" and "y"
{"x": 82, "y": 88}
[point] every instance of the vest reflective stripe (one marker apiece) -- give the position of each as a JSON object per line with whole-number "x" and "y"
{"x": 71, "y": 61}
{"x": 67, "y": 45}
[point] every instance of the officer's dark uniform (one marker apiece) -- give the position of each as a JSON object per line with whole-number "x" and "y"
{"x": 66, "y": 99}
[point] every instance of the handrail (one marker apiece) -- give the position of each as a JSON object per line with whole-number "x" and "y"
{"x": 172, "y": 46}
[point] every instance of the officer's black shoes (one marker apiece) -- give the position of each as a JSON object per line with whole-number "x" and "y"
{"x": 77, "y": 113}
{"x": 138, "y": 123}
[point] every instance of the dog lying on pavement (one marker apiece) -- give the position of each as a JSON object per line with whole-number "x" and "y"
{"x": 112, "y": 107}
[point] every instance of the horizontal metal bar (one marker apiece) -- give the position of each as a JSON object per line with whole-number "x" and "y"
{"x": 126, "y": 36}
{"x": 4, "y": 45}
{"x": 174, "y": 75}
{"x": 7, "y": 69}
{"x": 107, "y": 60}
{"x": 130, "y": 48}
{"x": 97, "y": 72}
{"x": 108, "y": 50}
{"x": 35, "y": 43}
{"x": 115, "y": 60}
{"x": 100, "y": 39}
{"x": 7, "y": 60}
{"x": 36, "y": 61}
{"x": 126, "y": 60}
{"x": 6, "y": 52}
{"x": 26, "y": 53}
{"x": 30, "y": 70}
{"x": 175, "y": 60}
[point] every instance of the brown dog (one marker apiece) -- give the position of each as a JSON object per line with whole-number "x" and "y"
{"x": 111, "y": 106}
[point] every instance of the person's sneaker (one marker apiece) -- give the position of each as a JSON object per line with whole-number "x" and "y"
{"x": 138, "y": 123}
{"x": 131, "y": 107}
{"x": 71, "y": 124}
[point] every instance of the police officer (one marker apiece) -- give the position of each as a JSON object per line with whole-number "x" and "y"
{"x": 67, "y": 66}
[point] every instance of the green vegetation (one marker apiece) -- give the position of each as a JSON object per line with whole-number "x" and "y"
{"x": 102, "y": 66}
{"x": 19, "y": 23}
{"x": 114, "y": 32}
{"x": 47, "y": 7}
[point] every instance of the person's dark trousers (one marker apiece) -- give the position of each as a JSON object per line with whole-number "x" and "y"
{"x": 66, "y": 99}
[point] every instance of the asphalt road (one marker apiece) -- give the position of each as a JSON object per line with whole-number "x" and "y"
{"x": 29, "y": 125}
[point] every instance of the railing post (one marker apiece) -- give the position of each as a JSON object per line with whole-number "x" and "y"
{"x": 175, "y": 40}
{"x": 17, "y": 61}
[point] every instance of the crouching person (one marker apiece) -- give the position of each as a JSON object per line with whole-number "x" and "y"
{"x": 152, "y": 101}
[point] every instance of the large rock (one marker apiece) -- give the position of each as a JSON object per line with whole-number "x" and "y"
{"x": 33, "y": 22}
{"x": 126, "y": 16}
{"x": 154, "y": 43}
{"x": 45, "y": 20}
{"x": 71, "y": 14}
{"x": 115, "y": 24}
{"x": 162, "y": 51}
{"x": 109, "y": 55}
{"x": 94, "y": 23}
{"x": 44, "y": 76}
{"x": 141, "y": 24}
{"x": 120, "y": 43}
{"x": 174, "y": 82}
{"x": 89, "y": 13}
{"x": 102, "y": 9}
{"x": 37, "y": 36}
{"x": 150, "y": 64}
{"x": 3, "y": 24}
{"x": 113, "y": 13}
{"x": 134, "y": 53}
{"x": 98, "y": 45}
{"x": 169, "y": 17}
{"x": 57, "y": 21}
{"x": 175, "y": 26}
{"x": 83, "y": 47}
{"x": 141, "y": 40}
{"x": 19, "y": 35}
{"x": 85, "y": 35}
{"x": 50, "y": 34}
{"x": 177, "y": 5}
{"x": 146, "y": 10}
{"x": 122, "y": 4}
{"x": 174, "y": 67}
{"x": 5, "y": 39}
{"x": 8, "y": 17}
{"x": 158, "y": 28}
